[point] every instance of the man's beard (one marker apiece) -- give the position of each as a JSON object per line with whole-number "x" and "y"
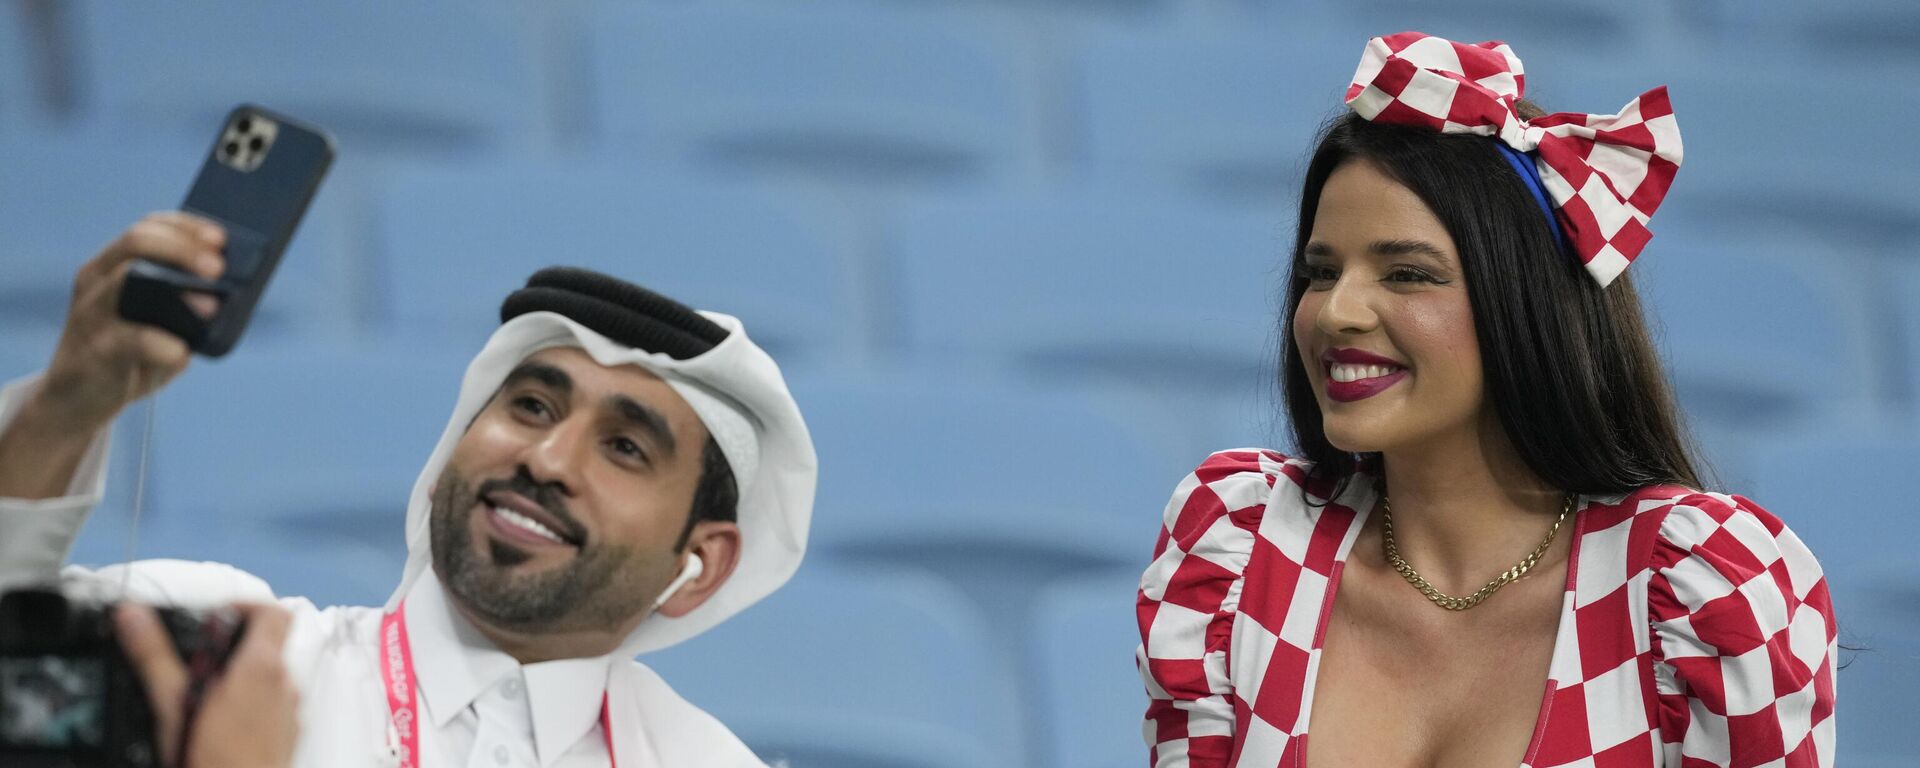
{"x": 582, "y": 594}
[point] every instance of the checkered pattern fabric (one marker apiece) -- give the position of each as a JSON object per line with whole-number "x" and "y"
{"x": 1696, "y": 629}
{"x": 1605, "y": 173}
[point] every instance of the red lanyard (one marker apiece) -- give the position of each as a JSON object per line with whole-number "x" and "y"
{"x": 396, "y": 672}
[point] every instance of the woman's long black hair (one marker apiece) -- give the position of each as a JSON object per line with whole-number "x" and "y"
{"x": 1569, "y": 366}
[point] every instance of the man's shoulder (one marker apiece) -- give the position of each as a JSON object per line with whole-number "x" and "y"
{"x": 188, "y": 584}
{"x": 681, "y": 733}
{"x": 203, "y": 585}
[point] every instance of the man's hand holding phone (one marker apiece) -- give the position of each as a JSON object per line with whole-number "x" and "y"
{"x": 103, "y": 361}
{"x": 174, "y": 283}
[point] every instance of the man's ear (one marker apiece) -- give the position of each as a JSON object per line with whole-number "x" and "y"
{"x": 717, "y": 544}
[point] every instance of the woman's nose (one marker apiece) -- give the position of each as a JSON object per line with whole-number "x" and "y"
{"x": 1346, "y": 309}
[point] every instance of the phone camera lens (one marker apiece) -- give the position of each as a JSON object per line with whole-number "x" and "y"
{"x": 243, "y": 125}
{"x": 233, "y": 148}
{"x": 256, "y": 143}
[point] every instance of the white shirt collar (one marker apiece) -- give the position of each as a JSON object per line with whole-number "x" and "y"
{"x": 455, "y": 664}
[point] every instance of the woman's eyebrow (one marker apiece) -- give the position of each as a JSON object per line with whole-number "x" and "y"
{"x": 1409, "y": 248}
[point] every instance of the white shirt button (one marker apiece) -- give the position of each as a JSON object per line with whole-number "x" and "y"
{"x": 512, "y": 688}
{"x": 500, "y": 754}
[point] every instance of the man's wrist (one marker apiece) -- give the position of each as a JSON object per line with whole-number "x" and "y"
{"x": 49, "y": 413}
{"x": 43, "y": 445}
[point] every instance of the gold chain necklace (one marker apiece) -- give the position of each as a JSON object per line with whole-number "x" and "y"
{"x": 1450, "y": 602}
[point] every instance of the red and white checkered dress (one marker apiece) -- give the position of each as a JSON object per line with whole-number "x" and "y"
{"x": 1696, "y": 631}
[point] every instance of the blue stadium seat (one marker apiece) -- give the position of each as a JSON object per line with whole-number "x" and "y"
{"x": 15, "y": 80}
{"x": 1758, "y": 325}
{"x": 863, "y": 91}
{"x": 66, "y": 195}
{"x": 326, "y": 444}
{"x": 922, "y": 470}
{"x": 23, "y": 351}
{"x": 436, "y": 77}
{"x": 455, "y": 243}
{"x": 1083, "y": 655}
{"x": 1843, "y": 489}
{"x": 1849, "y": 33}
{"x": 996, "y": 488}
{"x": 1622, "y": 27}
{"x": 1850, "y": 185}
{"x": 1225, "y": 116}
{"x": 1846, "y": 491}
{"x": 1141, "y": 289}
{"x": 1906, "y": 286}
{"x": 851, "y": 669}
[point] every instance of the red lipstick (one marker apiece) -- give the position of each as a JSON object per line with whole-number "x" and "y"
{"x": 1359, "y": 389}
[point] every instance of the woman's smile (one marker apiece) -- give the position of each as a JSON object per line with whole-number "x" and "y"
{"x": 1353, "y": 374}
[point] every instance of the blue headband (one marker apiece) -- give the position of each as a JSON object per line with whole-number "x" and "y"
{"x": 1523, "y": 164}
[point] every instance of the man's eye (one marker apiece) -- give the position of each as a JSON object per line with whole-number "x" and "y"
{"x": 626, "y": 447}
{"x": 530, "y": 405}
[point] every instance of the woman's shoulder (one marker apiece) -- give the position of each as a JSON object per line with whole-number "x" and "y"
{"x": 1227, "y": 495}
{"x": 1235, "y": 482}
{"x": 1726, "y": 530}
{"x": 1269, "y": 466}
{"x": 1739, "y": 616}
{"x": 1717, "y": 562}
{"x": 1266, "y": 462}
{"x": 1228, "y": 484}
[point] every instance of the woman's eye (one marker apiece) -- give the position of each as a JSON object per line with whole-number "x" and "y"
{"x": 1319, "y": 274}
{"x": 1409, "y": 276}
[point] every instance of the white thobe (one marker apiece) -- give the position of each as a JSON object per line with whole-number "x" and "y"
{"x": 480, "y": 707}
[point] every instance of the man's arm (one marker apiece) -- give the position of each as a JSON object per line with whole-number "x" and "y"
{"x": 36, "y": 534}
{"x": 40, "y": 448}
{"x": 52, "y": 428}
{"x": 103, "y": 362}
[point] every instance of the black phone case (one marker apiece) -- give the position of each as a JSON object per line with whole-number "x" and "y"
{"x": 260, "y": 208}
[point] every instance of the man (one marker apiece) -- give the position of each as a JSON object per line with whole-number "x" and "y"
{"x": 620, "y": 473}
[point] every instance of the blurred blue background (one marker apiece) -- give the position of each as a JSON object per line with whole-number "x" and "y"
{"x": 1020, "y": 259}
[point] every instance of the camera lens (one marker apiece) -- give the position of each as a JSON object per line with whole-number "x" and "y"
{"x": 256, "y": 143}
{"x": 232, "y": 148}
{"x": 243, "y": 125}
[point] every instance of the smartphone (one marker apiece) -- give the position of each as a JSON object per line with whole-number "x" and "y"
{"x": 256, "y": 182}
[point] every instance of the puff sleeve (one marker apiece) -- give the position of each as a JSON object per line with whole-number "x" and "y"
{"x": 1743, "y": 639}
{"x": 1187, "y": 601}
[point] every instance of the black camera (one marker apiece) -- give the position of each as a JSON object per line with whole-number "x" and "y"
{"x": 70, "y": 698}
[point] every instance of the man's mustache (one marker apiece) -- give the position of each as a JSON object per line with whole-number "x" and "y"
{"x": 544, "y": 494}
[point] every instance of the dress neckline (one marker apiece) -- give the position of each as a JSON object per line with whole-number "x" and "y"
{"x": 1359, "y": 498}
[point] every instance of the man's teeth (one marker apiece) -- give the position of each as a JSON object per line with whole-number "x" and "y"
{"x": 1342, "y": 372}
{"x": 529, "y": 524}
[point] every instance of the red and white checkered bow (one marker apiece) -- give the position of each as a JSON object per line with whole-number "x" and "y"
{"x": 1605, "y": 173}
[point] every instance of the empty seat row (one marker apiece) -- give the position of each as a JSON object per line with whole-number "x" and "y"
{"x": 1757, "y": 318}
{"x": 938, "y": 93}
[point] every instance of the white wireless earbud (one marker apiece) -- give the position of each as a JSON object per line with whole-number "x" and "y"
{"x": 695, "y": 566}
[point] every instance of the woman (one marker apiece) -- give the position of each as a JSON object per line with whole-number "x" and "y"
{"x": 1474, "y": 397}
